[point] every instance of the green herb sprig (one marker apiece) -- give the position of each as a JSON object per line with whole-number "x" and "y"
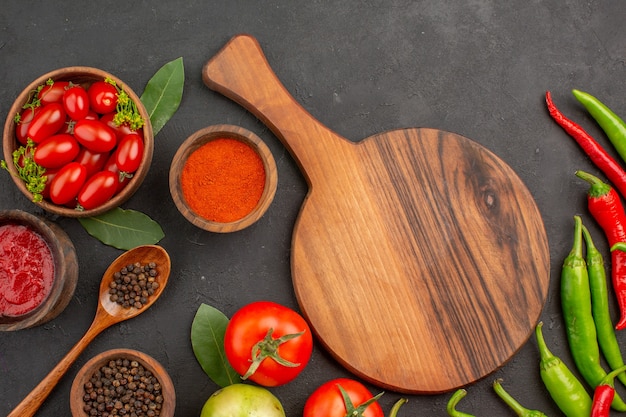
{"x": 33, "y": 174}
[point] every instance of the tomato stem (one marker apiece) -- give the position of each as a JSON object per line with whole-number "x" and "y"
{"x": 268, "y": 348}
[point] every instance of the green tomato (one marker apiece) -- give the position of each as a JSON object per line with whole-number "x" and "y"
{"x": 242, "y": 400}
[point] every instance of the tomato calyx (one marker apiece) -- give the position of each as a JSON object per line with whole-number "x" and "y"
{"x": 268, "y": 348}
{"x": 351, "y": 410}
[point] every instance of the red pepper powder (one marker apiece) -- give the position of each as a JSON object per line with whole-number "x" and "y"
{"x": 222, "y": 181}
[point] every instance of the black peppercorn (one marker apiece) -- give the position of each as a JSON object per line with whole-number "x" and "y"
{"x": 133, "y": 285}
{"x": 136, "y": 391}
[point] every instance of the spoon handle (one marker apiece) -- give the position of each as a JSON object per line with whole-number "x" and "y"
{"x": 31, "y": 403}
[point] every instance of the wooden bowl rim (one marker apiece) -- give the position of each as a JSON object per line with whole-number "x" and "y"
{"x": 65, "y": 270}
{"x": 151, "y": 364}
{"x": 82, "y": 74}
{"x": 203, "y": 136}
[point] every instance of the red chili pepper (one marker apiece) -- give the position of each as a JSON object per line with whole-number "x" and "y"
{"x": 598, "y": 155}
{"x": 604, "y": 393}
{"x": 606, "y": 207}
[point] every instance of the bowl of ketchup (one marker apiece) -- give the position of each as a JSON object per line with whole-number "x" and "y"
{"x": 38, "y": 270}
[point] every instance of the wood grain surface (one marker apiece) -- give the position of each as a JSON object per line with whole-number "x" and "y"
{"x": 419, "y": 257}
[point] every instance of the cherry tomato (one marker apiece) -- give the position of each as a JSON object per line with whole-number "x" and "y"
{"x": 97, "y": 190}
{"x": 122, "y": 180}
{"x": 264, "y": 321}
{"x": 50, "y": 174}
{"x": 102, "y": 97}
{"x": 95, "y": 135}
{"x": 327, "y": 401}
{"x": 26, "y": 117}
{"x": 129, "y": 153}
{"x": 121, "y": 130}
{"x": 56, "y": 151}
{"x": 76, "y": 102}
{"x": 48, "y": 121}
{"x": 67, "y": 183}
{"x": 52, "y": 93}
{"x": 93, "y": 161}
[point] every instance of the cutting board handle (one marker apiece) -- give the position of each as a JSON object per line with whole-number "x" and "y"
{"x": 240, "y": 71}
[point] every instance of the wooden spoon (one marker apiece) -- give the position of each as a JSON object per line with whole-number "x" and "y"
{"x": 107, "y": 314}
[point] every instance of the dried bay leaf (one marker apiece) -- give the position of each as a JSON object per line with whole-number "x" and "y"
{"x": 207, "y": 340}
{"x": 123, "y": 229}
{"x": 163, "y": 93}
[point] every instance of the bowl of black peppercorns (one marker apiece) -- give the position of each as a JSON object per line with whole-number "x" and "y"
{"x": 122, "y": 382}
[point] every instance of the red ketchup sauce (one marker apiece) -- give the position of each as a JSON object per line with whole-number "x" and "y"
{"x": 26, "y": 269}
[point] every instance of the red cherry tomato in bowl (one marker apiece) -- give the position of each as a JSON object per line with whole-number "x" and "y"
{"x": 97, "y": 190}
{"x": 56, "y": 151}
{"x": 129, "y": 153}
{"x": 121, "y": 130}
{"x": 67, "y": 183}
{"x": 26, "y": 117}
{"x": 48, "y": 121}
{"x": 76, "y": 102}
{"x": 259, "y": 325}
{"x": 102, "y": 97}
{"x": 93, "y": 161}
{"x": 327, "y": 400}
{"x": 52, "y": 93}
{"x": 95, "y": 135}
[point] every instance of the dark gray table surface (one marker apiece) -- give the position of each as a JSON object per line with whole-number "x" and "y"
{"x": 479, "y": 68}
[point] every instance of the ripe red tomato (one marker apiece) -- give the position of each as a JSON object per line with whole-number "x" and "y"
{"x": 122, "y": 180}
{"x": 67, "y": 183}
{"x": 102, "y": 97}
{"x": 121, "y": 130}
{"x": 97, "y": 190}
{"x": 327, "y": 401}
{"x": 26, "y": 117}
{"x": 93, "y": 161}
{"x": 50, "y": 174}
{"x": 48, "y": 121}
{"x": 52, "y": 93}
{"x": 129, "y": 153}
{"x": 56, "y": 151}
{"x": 95, "y": 135}
{"x": 256, "y": 324}
{"x": 76, "y": 102}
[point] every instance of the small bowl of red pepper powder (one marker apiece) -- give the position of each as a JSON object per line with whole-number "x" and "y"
{"x": 223, "y": 178}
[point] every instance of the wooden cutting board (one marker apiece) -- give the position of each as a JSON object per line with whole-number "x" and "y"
{"x": 419, "y": 257}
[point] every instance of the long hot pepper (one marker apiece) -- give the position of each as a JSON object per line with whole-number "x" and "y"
{"x": 567, "y": 392}
{"x": 579, "y": 324}
{"x": 606, "y": 207}
{"x": 513, "y": 404}
{"x": 604, "y": 393}
{"x": 453, "y": 401}
{"x": 607, "y": 339}
{"x": 598, "y": 155}
{"x": 612, "y": 125}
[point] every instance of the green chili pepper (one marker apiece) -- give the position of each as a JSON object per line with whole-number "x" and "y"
{"x": 453, "y": 401}
{"x": 567, "y": 392}
{"x": 579, "y": 324}
{"x": 600, "y": 306}
{"x": 520, "y": 410}
{"x": 613, "y": 126}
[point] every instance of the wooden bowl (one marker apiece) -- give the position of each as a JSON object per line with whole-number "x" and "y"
{"x": 84, "y": 76}
{"x": 202, "y": 137}
{"x": 65, "y": 271}
{"x": 88, "y": 370}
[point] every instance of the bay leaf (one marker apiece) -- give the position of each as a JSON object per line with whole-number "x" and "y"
{"x": 123, "y": 229}
{"x": 163, "y": 93}
{"x": 207, "y": 340}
